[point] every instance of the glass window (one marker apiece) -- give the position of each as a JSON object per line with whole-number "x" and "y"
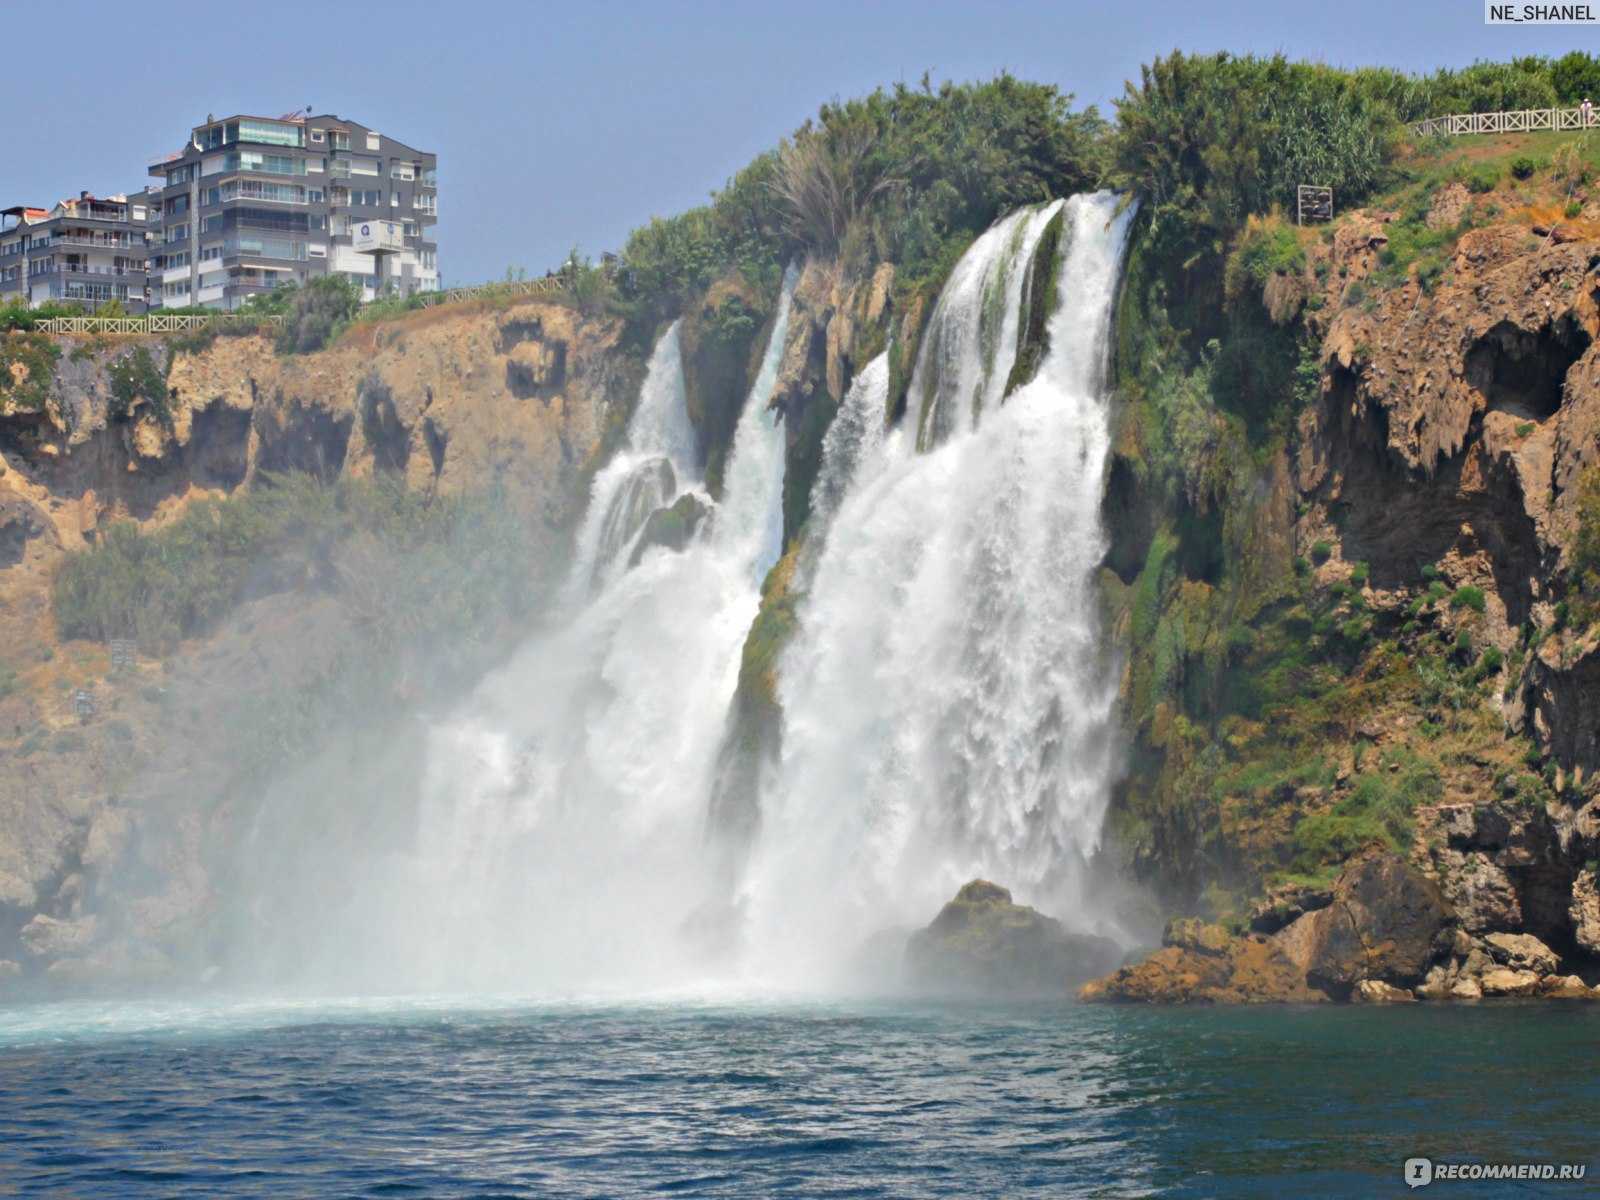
{"x": 341, "y": 139}
{"x": 374, "y": 141}
{"x": 273, "y": 133}
{"x": 316, "y": 135}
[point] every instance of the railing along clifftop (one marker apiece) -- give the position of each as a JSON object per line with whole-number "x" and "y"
{"x": 1525, "y": 120}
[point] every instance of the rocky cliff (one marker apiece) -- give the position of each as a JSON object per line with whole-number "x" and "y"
{"x": 1359, "y": 601}
{"x": 112, "y": 768}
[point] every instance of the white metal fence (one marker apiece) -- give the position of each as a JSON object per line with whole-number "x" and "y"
{"x": 1522, "y": 121}
{"x": 480, "y": 291}
{"x": 156, "y": 323}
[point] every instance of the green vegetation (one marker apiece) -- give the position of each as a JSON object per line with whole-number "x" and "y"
{"x": 134, "y": 377}
{"x": 1468, "y": 597}
{"x": 404, "y": 562}
{"x": 1378, "y": 808}
{"x": 316, "y": 312}
{"x": 908, "y": 175}
{"x": 27, "y": 368}
{"x": 17, "y": 317}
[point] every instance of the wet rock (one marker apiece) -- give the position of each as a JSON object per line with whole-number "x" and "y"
{"x": 984, "y": 942}
{"x": 1466, "y": 989}
{"x": 671, "y": 528}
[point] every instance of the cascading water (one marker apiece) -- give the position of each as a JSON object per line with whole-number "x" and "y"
{"x": 562, "y": 811}
{"x": 947, "y": 699}
{"x": 657, "y": 456}
{"x": 971, "y": 339}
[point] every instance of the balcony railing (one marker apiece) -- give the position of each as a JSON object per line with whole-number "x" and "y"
{"x": 112, "y": 272}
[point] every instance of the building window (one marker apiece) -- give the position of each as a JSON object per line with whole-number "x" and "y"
{"x": 271, "y": 164}
{"x": 374, "y": 141}
{"x": 272, "y": 133}
{"x": 403, "y": 170}
{"x": 316, "y": 135}
{"x": 340, "y": 139}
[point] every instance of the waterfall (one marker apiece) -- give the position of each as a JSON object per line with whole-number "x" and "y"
{"x": 563, "y": 807}
{"x": 948, "y": 704}
{"x": 971, "y": 339}
{"x": 657, "y": 454}
{"x": 855, "y": 436}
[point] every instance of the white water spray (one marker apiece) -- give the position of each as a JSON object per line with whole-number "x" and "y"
{"x": 562, "y": 820}
{"x": 947, "y": 700}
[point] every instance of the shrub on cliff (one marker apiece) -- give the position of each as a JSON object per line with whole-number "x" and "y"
{"x": 1209, "y": 140}
{"x": 317, "y": 312}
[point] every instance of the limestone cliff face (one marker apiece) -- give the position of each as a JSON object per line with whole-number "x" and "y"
{"x": 1454, "y": 427}
{"x": 458, "y": 399}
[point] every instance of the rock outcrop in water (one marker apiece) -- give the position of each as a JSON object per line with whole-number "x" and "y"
{"x": 983, "y": 942}
{"x": 1382, "y": 934}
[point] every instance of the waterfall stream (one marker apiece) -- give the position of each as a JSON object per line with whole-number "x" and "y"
{"x": 947, "y": 699}
{"x": 563, "y": 809}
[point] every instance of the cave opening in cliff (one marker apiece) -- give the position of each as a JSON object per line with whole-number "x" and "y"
{"x": 1524, "y": 373}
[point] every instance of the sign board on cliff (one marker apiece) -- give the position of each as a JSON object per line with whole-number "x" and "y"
{"x": 377, "y": 237}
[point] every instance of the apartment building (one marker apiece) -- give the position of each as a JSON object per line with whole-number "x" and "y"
{"x": 250, "y": 203}
{"x": 90, "y": 250}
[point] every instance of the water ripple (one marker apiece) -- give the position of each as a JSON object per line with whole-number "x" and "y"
{"x": 806, "y": 1100}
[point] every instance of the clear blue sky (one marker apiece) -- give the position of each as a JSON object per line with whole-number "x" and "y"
{"x": 562, "y": 125}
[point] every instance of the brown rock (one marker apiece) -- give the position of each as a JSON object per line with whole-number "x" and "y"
{"x": 1285, "y": 904}
{"x": 1191, "y": 933}
{"x": 1567, "y": 987}
{"x": 1253, "y": 970}
{"x": 1375, "y": 991}
{"x": 1585, "y": 912}
{"x": 1502, "y": 981}
{"x": 1386, "y": 922}
{"x": 1522, "y": 952}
